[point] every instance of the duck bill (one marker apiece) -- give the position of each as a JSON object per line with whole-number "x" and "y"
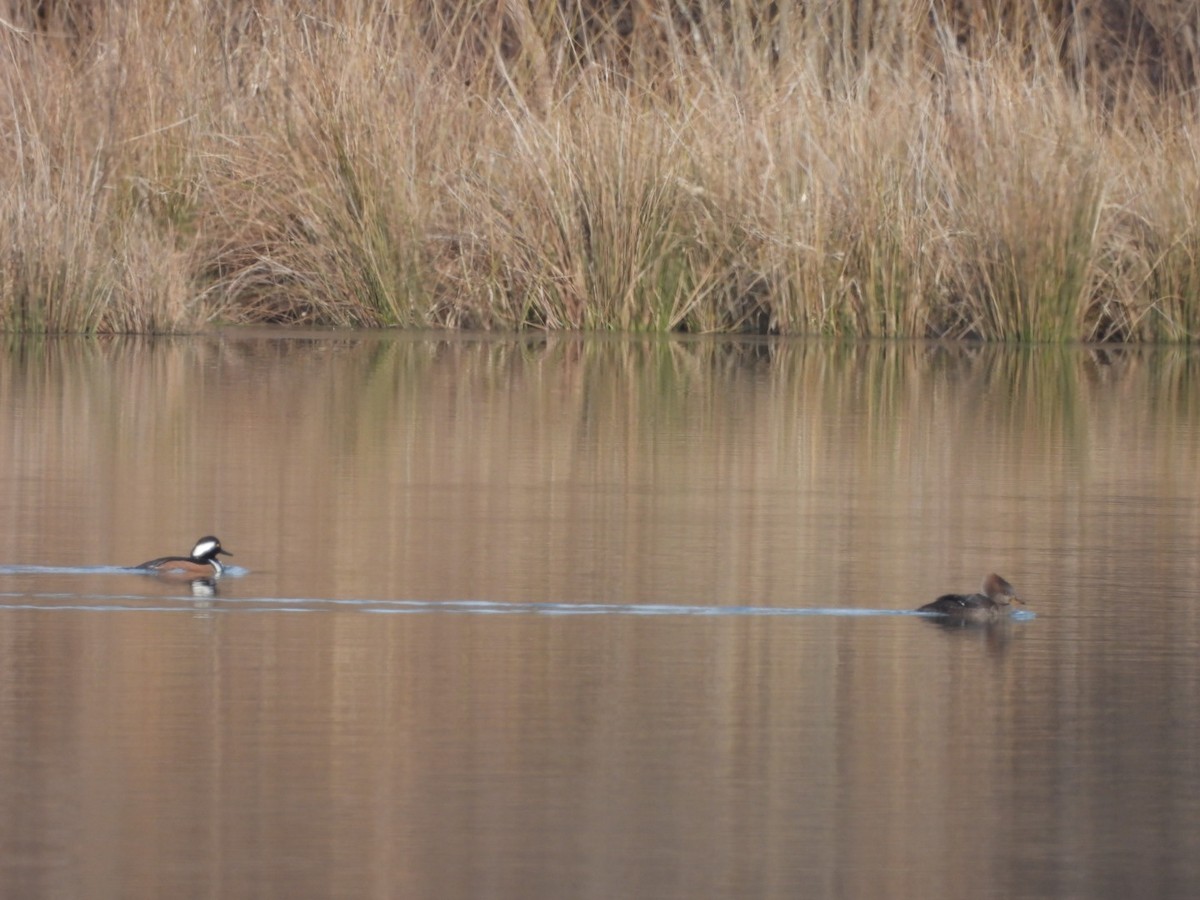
{"x": 224, "y": 552}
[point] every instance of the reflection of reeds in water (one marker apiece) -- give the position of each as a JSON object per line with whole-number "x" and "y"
{"x": 318, "y": 430}
{"x": 1047, "y": 391}
{"x": 548, "y": 167}
{"x": 883, "y": 383}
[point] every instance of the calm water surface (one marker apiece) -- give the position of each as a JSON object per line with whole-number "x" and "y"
{"x": 597, "y": 618}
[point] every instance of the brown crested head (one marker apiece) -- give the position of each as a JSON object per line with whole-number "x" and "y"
{"x": 999, "y": 590}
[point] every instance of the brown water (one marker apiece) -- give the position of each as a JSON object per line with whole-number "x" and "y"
{"x": 597, "y": 618}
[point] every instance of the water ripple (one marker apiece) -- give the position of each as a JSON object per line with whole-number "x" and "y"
{"x": 60, "y": 600}
{"x": 229, "y": 571}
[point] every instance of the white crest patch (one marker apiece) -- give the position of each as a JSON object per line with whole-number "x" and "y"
{"x": 203, "y": 548}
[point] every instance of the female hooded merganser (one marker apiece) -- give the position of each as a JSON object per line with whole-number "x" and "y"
{"x": 203, "y": 562}
{"x": 991, "y": 603}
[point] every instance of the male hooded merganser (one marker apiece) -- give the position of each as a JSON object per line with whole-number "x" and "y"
{"x": 991, "y": 603}
{"x": 203, "y": 562}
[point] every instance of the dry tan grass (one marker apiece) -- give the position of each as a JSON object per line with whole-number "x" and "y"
{"x": 869, "y": 169}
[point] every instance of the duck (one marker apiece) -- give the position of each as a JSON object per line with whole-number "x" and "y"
{"x": 991, "y": 603}
{"x": 202, "y": 563}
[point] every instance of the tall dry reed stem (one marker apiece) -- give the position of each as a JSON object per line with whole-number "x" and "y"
{"x": 854, "y": 168}
{"x": 89, "y": 216}
{"x": 1025, "y": 187}
{"x": 593, "y": 220}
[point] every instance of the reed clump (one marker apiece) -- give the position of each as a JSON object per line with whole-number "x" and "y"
{"x": 857, "y": 168}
